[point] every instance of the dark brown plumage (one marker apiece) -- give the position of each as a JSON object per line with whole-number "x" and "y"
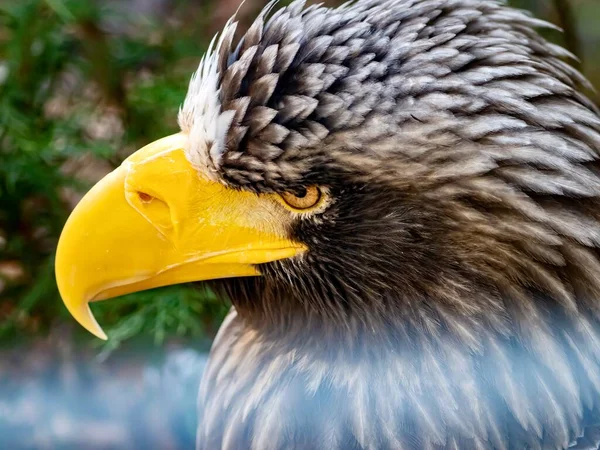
{"x": 450, "y": 297}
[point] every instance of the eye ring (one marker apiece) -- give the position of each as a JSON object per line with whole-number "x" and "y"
{"x": 310, "y": 198}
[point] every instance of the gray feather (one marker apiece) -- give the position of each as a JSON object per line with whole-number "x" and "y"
{"x": 450, "y": 295}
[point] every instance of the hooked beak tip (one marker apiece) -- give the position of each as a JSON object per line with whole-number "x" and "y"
{"x": 83, "y": 315}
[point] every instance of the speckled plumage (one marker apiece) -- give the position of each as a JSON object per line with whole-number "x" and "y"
{"x": 450, "y": 297}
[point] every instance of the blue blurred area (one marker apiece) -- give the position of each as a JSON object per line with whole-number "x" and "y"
{"x": 50, "y": 399}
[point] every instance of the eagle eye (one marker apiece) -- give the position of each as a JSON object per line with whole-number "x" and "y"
{"x": 307, "y": 199}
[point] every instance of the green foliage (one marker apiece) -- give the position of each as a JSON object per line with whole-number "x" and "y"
{"x": 172, "y": 311}
{"x": 73, "y": 85}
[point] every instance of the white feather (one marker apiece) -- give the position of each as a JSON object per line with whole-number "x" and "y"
{"x": 201, "y": 116}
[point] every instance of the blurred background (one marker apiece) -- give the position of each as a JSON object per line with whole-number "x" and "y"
{"x": 82, "y": 85}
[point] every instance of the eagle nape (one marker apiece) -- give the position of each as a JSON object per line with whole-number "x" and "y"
{"x": 401, "y": 198}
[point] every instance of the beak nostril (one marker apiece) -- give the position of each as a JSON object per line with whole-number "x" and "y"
{"x": 152, "y": 207}
{"x": 145, "y": 198}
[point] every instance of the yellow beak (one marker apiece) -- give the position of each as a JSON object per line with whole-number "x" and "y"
{"x": 156, "y": 221}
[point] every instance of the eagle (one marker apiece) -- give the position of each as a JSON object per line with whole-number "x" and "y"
{"x": 401, "y": 199}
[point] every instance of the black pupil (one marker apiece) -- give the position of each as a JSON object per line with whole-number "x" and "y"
{"x": 301, "y": 192}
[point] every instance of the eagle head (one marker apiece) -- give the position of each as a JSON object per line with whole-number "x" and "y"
{"x": 413, "y": 173}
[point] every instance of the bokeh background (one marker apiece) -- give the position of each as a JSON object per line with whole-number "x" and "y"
{"x": 82, "y": 85}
